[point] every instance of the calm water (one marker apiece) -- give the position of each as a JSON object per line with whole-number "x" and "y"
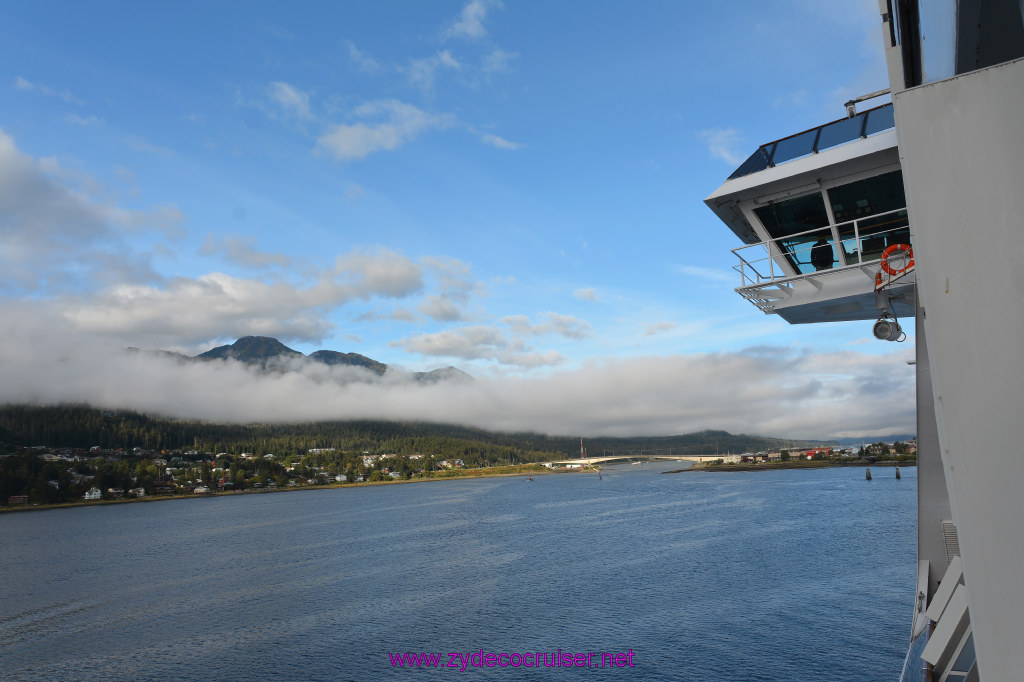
{"x": 777, "y": 575}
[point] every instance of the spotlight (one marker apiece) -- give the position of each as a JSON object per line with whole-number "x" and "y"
{"x": 887, "y": 328}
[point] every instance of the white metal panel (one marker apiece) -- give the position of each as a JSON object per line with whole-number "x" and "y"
{"x": 949, "y": 629}
{"x": 839, "y": 165}
{"x": 920, "y": 620}
{"x": 946, "y": 587}
{"x": 962, "y": 152}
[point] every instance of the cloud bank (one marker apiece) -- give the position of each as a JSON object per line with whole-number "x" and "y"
{"x": 774, "y": 392}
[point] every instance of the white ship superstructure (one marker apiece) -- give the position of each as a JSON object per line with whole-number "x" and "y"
{"x": 817, "y": 211}
{"x": 858, "y": 220}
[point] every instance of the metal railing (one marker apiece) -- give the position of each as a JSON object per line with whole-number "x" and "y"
{"x": 849, "y": 244}
{"x": 817, "y": 139}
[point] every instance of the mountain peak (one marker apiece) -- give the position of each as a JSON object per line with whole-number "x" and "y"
{"x": 333, "y": 357}
{"x": 256, "y": 350}
{"x": 266, "y": 351}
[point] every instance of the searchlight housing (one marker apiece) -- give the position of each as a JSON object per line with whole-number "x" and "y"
{"x": 888, "y": 329}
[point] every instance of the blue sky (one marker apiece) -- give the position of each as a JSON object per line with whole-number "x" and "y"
{"x": 511, "y": 188}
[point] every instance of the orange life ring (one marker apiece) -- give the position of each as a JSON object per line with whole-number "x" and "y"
{"x": 893, "y": 249}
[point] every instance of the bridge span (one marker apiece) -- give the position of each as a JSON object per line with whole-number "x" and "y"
{"x": 590, "y": 461}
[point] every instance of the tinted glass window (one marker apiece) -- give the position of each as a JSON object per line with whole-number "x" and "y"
{"x": 965, "y": 660}
{"x": 873, "y": 235}
{"x": 757, "y": 161}
{"x": 791, "y": 216}
{"x": 879, "y": 120}
{"x": 867, "y": 197}
{"x": 840, "y": 132}
{"x": 794, "y": 147}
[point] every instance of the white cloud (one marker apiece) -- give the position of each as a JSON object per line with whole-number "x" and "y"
{"x": 363, "y": 61}
{"x": 65, "y": 94}
{"x": 723, "y": 144}
{"x": 217, "y": 305}
{"x": 534, "y": 360}
{"x": 293, "y": 100}
{"x": 445, "y": 59}
{"x": 487, "y": 343}
{"x": 454, "y": 276}
{"x": 241, "y": 251}
{"x": 83, "y": 120}
{"x": 421, "y": 72}
{"x": 141, "y": 145}
{"x": 397, "y": 315}
{"x": 383, "y": 272}
{"x": 466, "y": 343}
{"x": 659, "y": 327}
{"x": 519, "y": 323}
{"x": 393, "y": 123}
{"x": 470, "y": 24}
{"x": 784, "y": 394}
{"x": 63, "y": 238}
{"x": 564, "y": 325}
{"x": 190, "y": 311}
{"x": 497, "y": 60}
{"x": 568, "y": 326}
{"x": 499, "y": 142}
{"x": 440, "y": 309}
{"x": 356, "y": 141}
{"x": 455, "y": 286}
{"x": 60, "y": 231}
{"x": 588, "y": 294}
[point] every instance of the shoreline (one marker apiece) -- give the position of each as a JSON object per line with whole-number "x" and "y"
{"x": 542, "y": 471}
{"x": 771, "y": 466}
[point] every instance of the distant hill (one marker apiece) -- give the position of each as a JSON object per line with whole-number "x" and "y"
{"x": 252, "y": 350}
{"x": 83, "y": 426}
{"x": 446, "y": 374}
{"x": 268, "y": 353}
{"x": 333, "y": 357}
{"x": 901, "y": 438}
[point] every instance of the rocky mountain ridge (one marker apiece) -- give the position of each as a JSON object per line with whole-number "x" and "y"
{"x": 268, "y": 353}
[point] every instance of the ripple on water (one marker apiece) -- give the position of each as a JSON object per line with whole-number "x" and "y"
{"x": 792, "y": 575}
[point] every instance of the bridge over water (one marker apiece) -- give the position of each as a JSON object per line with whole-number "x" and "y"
{"x": 590, "y": 461}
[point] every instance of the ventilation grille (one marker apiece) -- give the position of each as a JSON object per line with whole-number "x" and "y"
{"x": 950, "y": 539}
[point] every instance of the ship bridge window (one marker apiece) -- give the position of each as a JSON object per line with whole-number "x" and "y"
{"x": 840, "y": 132}
{"x": 871, "y": 215}
{"x": 795, "y": 225}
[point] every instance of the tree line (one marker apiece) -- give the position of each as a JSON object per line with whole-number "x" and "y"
{"x": 85, "y": 426}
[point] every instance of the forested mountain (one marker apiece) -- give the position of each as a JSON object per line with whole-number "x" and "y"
{"x": 253, "y": 350}
{"x": 55, "y": 454}
{"x": 269, "y": 353}
{"x": 333, "y": 357}
{"x": 84, "y": 427}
